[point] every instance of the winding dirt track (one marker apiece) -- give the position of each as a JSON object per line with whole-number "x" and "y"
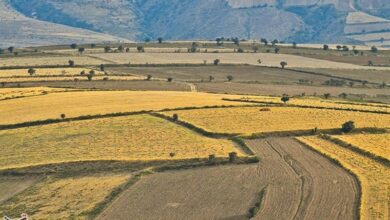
{"x": 299, "y": 183}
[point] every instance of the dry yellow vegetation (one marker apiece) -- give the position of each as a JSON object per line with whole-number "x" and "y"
{"x": 48, "y": 60}
{"x": 9, "y": 93}
{"x": 130, "y": 138}
{"x": 326, "y": 103}
{"x": 68, "y": 198}
{"x": 374, "y": 177}
{"x": 248, "y": 120}
{"x": 102, "y": 102}
{"x": 378, "y": 144}
{"x": 46, "y": 72}
{"x": 66, "y": 78}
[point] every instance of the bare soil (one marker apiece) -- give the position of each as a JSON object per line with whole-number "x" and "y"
{"x": 299, "y": 184}
{"x": 10, "y": 186}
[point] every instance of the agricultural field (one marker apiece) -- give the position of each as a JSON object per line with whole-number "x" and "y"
{"x": 76, "y": 104}
{"x": 11, "y": 186}
{"x": 31, "y": 61}
{"x": 108, "y": 139}
{"x": 374, "y": 177}
{"x": 64, "y": 198}
{"x": 66, "y": 78}
{"x": 276, "y": 119}
{"x": 10, "y": 93}
{"x": 46, "y": 72}
{"x": 378, "y": 144}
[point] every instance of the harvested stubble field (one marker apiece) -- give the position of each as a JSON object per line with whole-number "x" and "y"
{"x": 12, "y": 185}
{"x": 378, "y": 144}
{"x": 297, "y": 182}
{"x": 65, "y": 78}
{"x": 9, "y": 93}
{"x": 268, "y": 59}
{"x": 46, "y": 72}
{"x": 31, "y": 61}
{"x": 130, "y": 138}
{"x": 373, "y": 176}
{"x": 326, "y": 103}
{"x": 132, "y": 85}
{"x": 64, "y": 198}
{"x": 353, "y": 60}
{"x": 74, "y": 104}
{"x": 279, "y": 90}
{"x": 275, "y": 119}
{"x": 241, "y": 73}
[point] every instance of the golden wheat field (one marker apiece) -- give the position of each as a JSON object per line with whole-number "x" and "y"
{"x": 325, "y": 103}
{"x": 68, "y": 198}
{"x": 66, "y": 78}
{"x": 48, "y": 60}
{"x": 102, "y": 102}
{"x": 248, "y": 120}
{"x": 9, "y": 93}
{"x": 46, "y": 72}
{"x": 374, "y": 177}
{"x": 130, "y": 138}
{"x": 378, "y": 144}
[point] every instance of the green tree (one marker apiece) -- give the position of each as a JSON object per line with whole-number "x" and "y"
{"x": 283, "y": 64}
{"x": 71, "y": 63}
{"x": 348, "y": 126}
{"x": 73, "y": 46}
{"x": 81, "y": 50}
{"x": 285, "y": 99}
{"x": 325, "y": 47}
{"x": 230, "y": 78}
{"x": 31, "y": 71}
{"x": 160, "y": 40}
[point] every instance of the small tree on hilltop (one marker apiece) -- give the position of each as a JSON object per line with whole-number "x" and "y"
{"x": 230, "y": 78}
{"x": 73, "y": 46}
{"x": 160, "y": 40}
{"x": 325, "y": 47}
{"x": 283, "y": 64}
{"x": 265, "y": 41}
{"x": 31, "y": 71}
{"x": 348, "y": 126}
{"x": 71, "y": 63}
{"x": 285, "y": 99}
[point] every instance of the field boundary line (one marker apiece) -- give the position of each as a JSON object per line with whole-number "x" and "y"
{"x": 379, "y": 159}
{"x": 336, "y": 162}
{"x": 304, "y": 106}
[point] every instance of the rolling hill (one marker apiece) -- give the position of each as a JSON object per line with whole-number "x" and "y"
{"x": 332, "y": 21}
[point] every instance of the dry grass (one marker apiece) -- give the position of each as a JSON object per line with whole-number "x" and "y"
{"x": 378, "y": 144}
{"x": 68, "y": 198}
{"x": 9, "y": 93}
{"x": 373, "y": 176}
{"x": 250, "y": 120}
{"x": 66, "y": 78}
{"x": 132, "y": 138}
{"x": 76, "y": 104}
{"x": 46, "y": 72}
{"x": 49, "y": 60}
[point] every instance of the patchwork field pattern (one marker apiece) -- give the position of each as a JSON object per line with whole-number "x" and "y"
{"x": 378, "y": 144}
{"x": 76, "y": 104}
{"x": 68, "y": 198}
{"x": 259, "y": 120}
{"x": 9, "y": 93}
{"x": 131, "y": 138}
{"x": 374, "y": 177}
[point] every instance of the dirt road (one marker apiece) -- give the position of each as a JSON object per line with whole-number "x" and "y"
{"x": 299, "y": 183}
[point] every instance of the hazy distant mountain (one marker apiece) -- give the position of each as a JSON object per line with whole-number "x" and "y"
{"x": 290, "y": 20}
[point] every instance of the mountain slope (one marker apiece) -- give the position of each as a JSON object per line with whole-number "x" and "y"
{"x": 19, "y": 30}
{"x": 290, "y": 20}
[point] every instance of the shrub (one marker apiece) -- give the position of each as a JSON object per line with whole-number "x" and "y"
{"x": 232, "y": 157}
{"x": 348, "y": 126}
{"x": 172, "y": 154}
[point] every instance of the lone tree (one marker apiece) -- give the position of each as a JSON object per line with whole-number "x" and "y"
{"x": 63, "y": 116}
{"x": 265, "y": 41}
{"x": 160, "y": 40}
{"x": 232, "y": 157}
{"x": 217, "y": 61}
{"x": 294, "y": 45}
{"x": 325, "y": 47}
{"x": 348, "y": 126}
{"x": 170, "y": 79}
{"x": 285, "y": 99}
{"x": 102, "y": 67}
{"x": 277, "y": 50}
{"x": 374, "y": 49}
{"x": 31, "y": 71}
{"x": 219, "y": 41}
{"x": 343, "y": 95}
{"x": 327, "y": 95}
{"x": 230, "y": 78}
{"x": 89, "y": 77}
{"x": 82, "y": 73}
{"x": 71, "y": 63}
{"x": 81, "y": 50}
{"x": 93, "y": 45}
{"x": 175, "y": 117}
{"x": 121, "y": 48}
{"x": 339, "y": 47}
{"x": 149, "y": 77}
{"x": 73, "y": 46}
{"x": 140, "y": 49}
{"x": 370, "y": 63}
{"x": 211, "y": 78}
{"x": 11, "y": 49}
{"x": 107, "y": 49}
{"x": 283, "y": 64}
